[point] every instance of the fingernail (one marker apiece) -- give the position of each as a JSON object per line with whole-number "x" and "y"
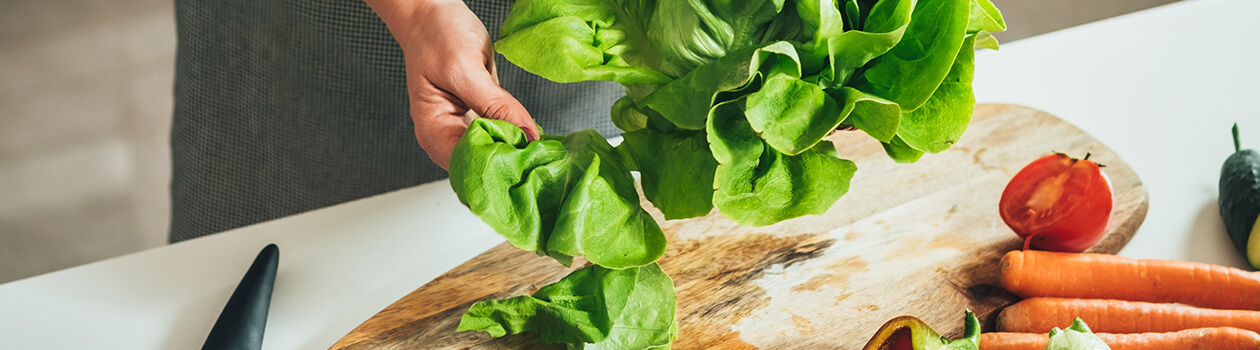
{"x": 529, "y": 136}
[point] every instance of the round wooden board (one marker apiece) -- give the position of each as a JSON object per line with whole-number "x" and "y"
{"x": 920, "y": 239}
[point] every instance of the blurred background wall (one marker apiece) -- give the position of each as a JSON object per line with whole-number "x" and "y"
{"x": 85, "y": 116}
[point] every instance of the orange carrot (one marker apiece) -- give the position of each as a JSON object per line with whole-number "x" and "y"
{"x": 1013, "y": 341}
{"x": 1221, "y": 338}
{"x": 1039, "y": 315}
{"x": 1102, "y": 276}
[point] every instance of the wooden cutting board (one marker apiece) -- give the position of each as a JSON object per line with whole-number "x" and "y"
{"x": 921, "y": 239}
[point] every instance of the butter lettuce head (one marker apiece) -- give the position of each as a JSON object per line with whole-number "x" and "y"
{"x": 727, "y": 106}
{"x": 792, "y": 71}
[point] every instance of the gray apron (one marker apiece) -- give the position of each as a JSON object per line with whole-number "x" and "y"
{"x": 284, "y": 106}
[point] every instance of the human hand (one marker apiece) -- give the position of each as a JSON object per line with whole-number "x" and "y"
{"x": 451, "y": 77}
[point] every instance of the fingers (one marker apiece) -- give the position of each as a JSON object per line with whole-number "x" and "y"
{"x": 438, "y": 138}
{"x": 439, "y": 121}
{"x": 477, "y": 89}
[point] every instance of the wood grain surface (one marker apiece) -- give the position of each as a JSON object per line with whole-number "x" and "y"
{"x": 918, "y": 239}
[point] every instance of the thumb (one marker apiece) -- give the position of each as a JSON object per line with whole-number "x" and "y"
{"x": 483, "y": 96}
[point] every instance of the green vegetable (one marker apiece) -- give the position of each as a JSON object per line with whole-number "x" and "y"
{"x": 792, "y": 71}
{"x": 727, "y": 105}
{"x": 680, "y": 177}
{"x": 939, "y": 122}
{"x": 1076, "y": 337}
{"x": 560, "y": 197}
{"x": 913, "y": 69}
{"x": 1240, "y": 200}
{"x": 757, "y": 185}
{"x": 591, "y": 308}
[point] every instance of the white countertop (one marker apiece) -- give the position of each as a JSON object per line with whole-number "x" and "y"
{"x": 1160, "y": 87}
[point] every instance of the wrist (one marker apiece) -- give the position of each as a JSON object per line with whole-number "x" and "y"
{"x": 398, "y": 15}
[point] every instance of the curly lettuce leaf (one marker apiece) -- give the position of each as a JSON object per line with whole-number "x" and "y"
{"x": 626, "y": 116}
{"x": 686, "y": 102}
{"x": 878, "y": 117}
{"x": 911, "y": 71}
{"x": 560, "y": 197}
{"x": 791, "y": 114}
{"x": 757, "y": 185}
{"x": 585, "y": 39}
{"x": 693, "y": 33}
{"x": 580, "y": 308}
{"x": 900, "y": 152}
{"x": 676, "y": 170}
{"x": 985, "y": 18}
{"x": 941, "y": 121}
{"x": 648, "y": 320}
{"x": 847, "y": 49}
{"x": 591, "y": 308}
{"x": 630, "y": 41}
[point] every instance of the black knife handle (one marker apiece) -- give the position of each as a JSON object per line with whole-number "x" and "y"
{"x": 243, "y": 320}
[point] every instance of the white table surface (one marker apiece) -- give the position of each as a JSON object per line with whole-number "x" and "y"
{"x": 1161, "y": 87}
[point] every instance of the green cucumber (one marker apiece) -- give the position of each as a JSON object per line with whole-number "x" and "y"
{"x": 1240, "y": 200}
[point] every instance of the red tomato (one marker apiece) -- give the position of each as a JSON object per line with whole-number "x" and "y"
{"x": 1058, "y": 203}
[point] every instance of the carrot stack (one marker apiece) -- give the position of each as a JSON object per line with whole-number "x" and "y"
{"x": 1220, "y": 338}
{"x": 1130, "y": 303}
{"x": 1039, "y": 315}
{"x": 1104, "y": 276}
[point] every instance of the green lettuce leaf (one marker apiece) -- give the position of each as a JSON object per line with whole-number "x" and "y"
{"x": 676, "y": 170}
{"x": 630, "y": 41}
{"x": 580, "y": 308}
{"x": 586, "y": 39}
{"x": 591, "y": 308}
{"x": 900, "y": 152}
{"x": 686, "y": 102}
{"x": 756, "y": 185}
{"x": 847, "y": 49}
{"x": 560, "y": 197}
{"x": 626, "y": 116}
{"x": 941, "y": 121}
{"x": 791, "y": 114}
{"x": 985, "y": 18}
{"x": 878, "y": 117}
{"x": 648, "y": 320}
{"x": 911, "y": 71}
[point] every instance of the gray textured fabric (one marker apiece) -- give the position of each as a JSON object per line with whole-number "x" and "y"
{"x": 284, "y": 106}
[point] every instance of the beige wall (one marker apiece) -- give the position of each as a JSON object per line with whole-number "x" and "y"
{"x": 85, "y": 102}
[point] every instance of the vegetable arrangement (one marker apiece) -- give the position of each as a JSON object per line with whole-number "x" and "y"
{"x": 1215, "y": 305}
{"x": 727, "y": 106}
